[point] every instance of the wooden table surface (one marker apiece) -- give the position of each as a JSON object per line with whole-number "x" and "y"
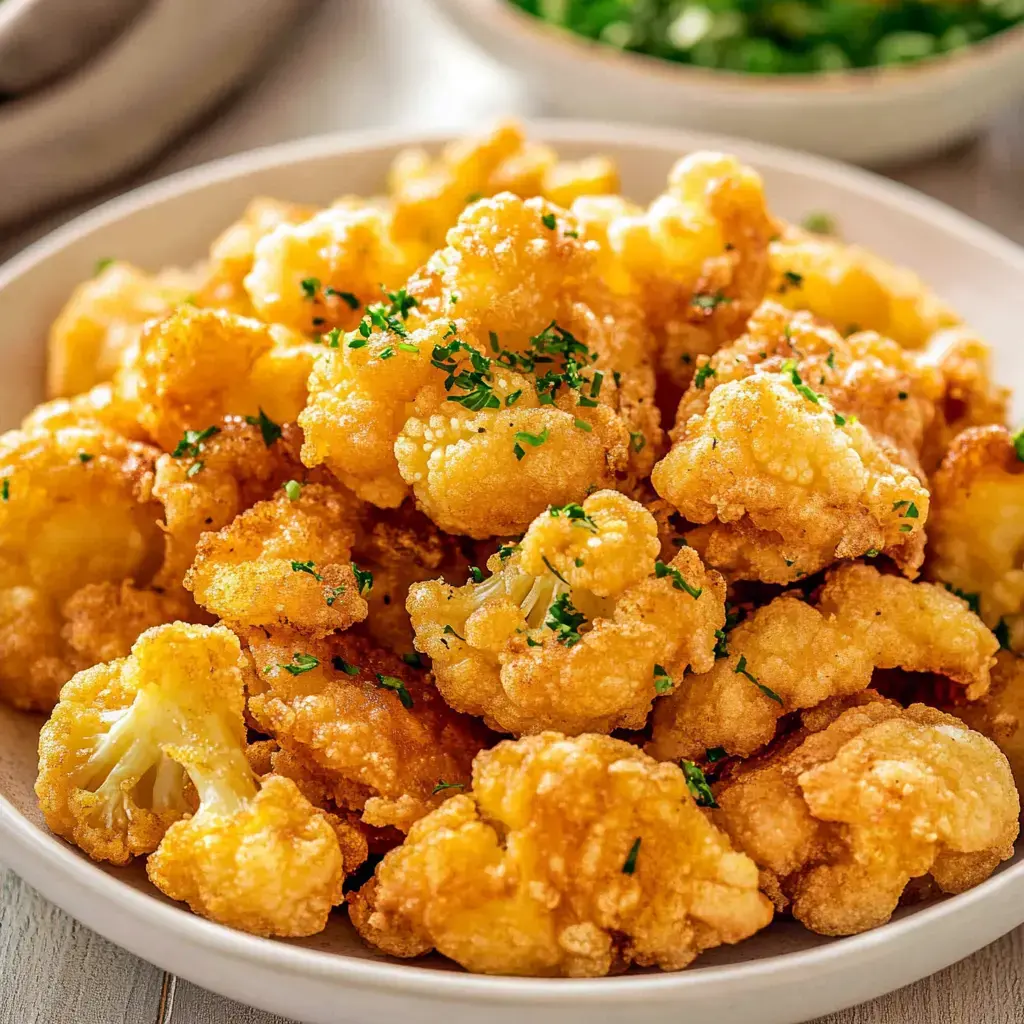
{"x": 55, "y": 971}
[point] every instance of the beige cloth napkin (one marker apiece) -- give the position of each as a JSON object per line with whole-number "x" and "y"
{"x": 169, "y": 62}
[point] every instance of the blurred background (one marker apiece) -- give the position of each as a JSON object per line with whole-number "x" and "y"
{"x": 97, "y": 96}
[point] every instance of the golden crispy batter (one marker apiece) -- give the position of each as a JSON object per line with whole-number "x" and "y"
{"x": 699, "y": 254}
{"x": 790, "y": 655}
{"x": 977, "y": 530}
{"x": 509, "y": 356}
{"x": 103, "y": 318}
{"x": 971, "y": 398}
{"x": 75, "y": 509}
{"x": 788, "y": 485}
{"x": 318, "y": 274}
{"x": 841, "y": 816}
{"x": 577, "y": 629}
{"x": 108, "y": 405}
{"x": 999, "y": 714}
{"x": 232, "y": 252}
{"x": 374, "y": 730}
{"x": 198, "y": 365}
{"x": 572, "y": 857}
{"x": 283, "y": 562}
{"x": 429, "y": 194}
{"x": 854, "y": 289}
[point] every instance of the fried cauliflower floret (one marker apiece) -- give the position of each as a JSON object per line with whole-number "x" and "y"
{"x": 373, "y": 729}
{"x": 529, "y": 359}
{"x": 579, "y": 628}
{"x": 429, "y": 194}
{"x": 262, "y": 860}
{"x": 232, "y": 253}
{"x": 318, "y": 274}
{"x": 236, "y": 469}
{"x": 106, "y": 405}
{"x": 971, "y": 398}
{"x": 700, "y": 255}
{"x": 569, "y": 857}
{"x": 854, "y": 289}
{"x": 75, "y": 509}
{"x": 841, "y": 818}
{"x": 199, "y": 365}
{"x": 790, "y": 655}
{"x": 892, "y": 392}
{"x": 976, "y": 533}
{"x": 103, "y": 318}
{"x": 283, "y": 562}
{"x": 999, "y": 714}
{"x": 788, "y": 485}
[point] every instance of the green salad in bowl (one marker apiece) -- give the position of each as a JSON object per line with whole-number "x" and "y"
{"x": 772, "y": 37}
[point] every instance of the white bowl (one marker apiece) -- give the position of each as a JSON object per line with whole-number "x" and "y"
{"x": 868, "y": 116}
{"x": 785, "y": 973}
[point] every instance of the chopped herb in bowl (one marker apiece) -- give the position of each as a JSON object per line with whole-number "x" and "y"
{"x": 772, "y": 37}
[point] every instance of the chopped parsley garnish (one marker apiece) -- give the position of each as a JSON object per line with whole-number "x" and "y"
{"x": 310, "y": 286}
{"x": 477, "y": 573}
{"x": 564, "y": 620}
{"x": 194, "y": 468}
{"x": 575, "y": 513}
{"x": 192, "y": 442}
{"x": 453, "y": 299}
{"x": 570, "y": 234}
{"x": 742, "y": 670}
{"x": 334, "y": 594}
{"x": 514, "y": 397}
{"x": 364, "y": 579}
{"x": 413, "y": 659}
{"x": 450, "y": 630}
{"x": 292, "y": 489}
{"x": 85, "y": 457}
{"x": 697, "y": 784}
{"x": 407, "y": 346}
{"x": 582, "y": 425}
{"x": 506, "y": 551}
{"x": 789, "y": 367}
{"x": 301, "y": 663}
{"x": 819, "y": 223}
{"x": 702, "y": 374}
{"x": 1002, "y": 632}
{"x": 345, "y": 666}
{"x": 554, "y": 572}
{"x": 840, "y": 421}
{"x": 1018, "y": 443}
{"x": 268, "y": 428}
{"x": 715, "y": 754}
{"x": 595, "y": 384}
{"x": 533, "y": 440}
{"x": 442, "y": 786}
{"x": 662, "y": 680}
{"x": 732, "y": 617}
{"x": 902, "y": 396}
{"x": 357, "y": 343}
{"x": 387, "y": 353}
{"x": 831, "y": 361}
{"x": 309, "y": 568}
{"x": 705, "y": 300}
{"x": 5, "y": 490}
{"x": 872, "y": 553}
{"x": 350, "y": 300}
{"x": 473, "y": 380}
{"x": 629, "y": 864}
{"x": 333, "y": 337}
{"x": 973, "y": 600}
{"x": 661, "y": 570}
{"x": 102, "y": 265}
{"x": 396, "y": 684}
{"x": 791, "y": 279}
{"x": 637, "y": 440}
{"x": 548, "y": 220}
{"x": 909, "y": 507}
{"x": 401, "y": 302}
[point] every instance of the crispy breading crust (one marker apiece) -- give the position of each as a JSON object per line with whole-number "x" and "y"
{"x": 572, "y": 857}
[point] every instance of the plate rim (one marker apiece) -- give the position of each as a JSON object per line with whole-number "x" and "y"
{"x": 37, "y": 852}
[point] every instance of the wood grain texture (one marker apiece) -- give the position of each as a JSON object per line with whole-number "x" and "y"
{"x": 55, "y": 971}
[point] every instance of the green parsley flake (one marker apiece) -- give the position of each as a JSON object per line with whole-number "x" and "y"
{"x": 309, "y": 568}
{"x": 5, "y": 490}
{"x": 477, "y": 573}
{"x": 662, "y": 570}
{"x": 194, "y": 468}
{"x": 789, "y": 367}
{"x": 637, "y": 440}
{"x": 629, "y": 864}
{"x": 702, "y": 374}
{"x": 450, "y": 631}
{"x": 102, "y": 265}
{"x": 697, "y": 784}
{"x": 903, "y": 396}
{"x": 396, "y": 684}
{"x": 554, "y": 572}
{"x": 511, "y": 399}
{"x": 831, "y": 361}
{"x": 840, "y": 420}
{"x": 910, "y": 512}
{"x": 292, "y": 489}
{"x": 413, "y": 659}
{"x": 85, "y": 457}
{"x": 341, "y": 665}
{"x": 1002, "y": 632}
{"x": 575, "y": 513}
{"x": 707, "y": 301}
{"x": 564, "y": 620}
{"x": 533, "y": 440}
{"x": 268, "y": 428}
{"x": 742, "y": 670}
{"x": 334, "y": 593}
{"x": 1018, "y": 443}
{"x": 662, "y": 680}
{"x": 300, "y": 663}
{"x": 715, "y": 754}
{"x": 442, "y": 786}
{"x": 548, "y": 220}
{"x": 819, "y": 223}
{"x": 872, "y": 553}
{"x": 333, "y": 337}
{"x": 364, "y": 579}
{"x": 350, "y": 300}
{"x": 310, "y": 286}
{"x": 192, "y": 442}
{"x": 505, "y": 551}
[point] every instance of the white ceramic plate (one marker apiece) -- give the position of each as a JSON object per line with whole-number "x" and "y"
{"x": 785, "y": 974}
